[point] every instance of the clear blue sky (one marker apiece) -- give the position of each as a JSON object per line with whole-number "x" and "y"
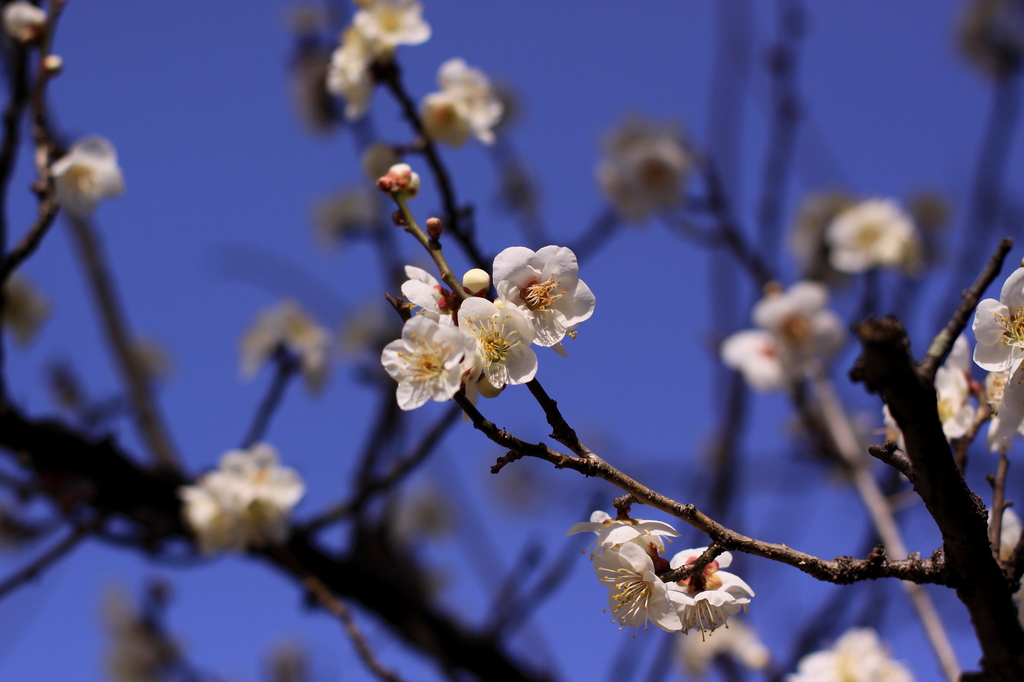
{"x": 196, "y": 99}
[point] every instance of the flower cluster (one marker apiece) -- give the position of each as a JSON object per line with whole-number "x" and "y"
{"x": 24, "y": 22}
{"x": 466, "y": 105}
{"x": 289, "y": 327}
{"x": 377, "y": 29}
{"x": 857, "y": 656}
{"x": 795, "y": 328}
{"x": 484, "y": 344}
{"x": 628, "y": 562}
{"x": 247, "y": 501}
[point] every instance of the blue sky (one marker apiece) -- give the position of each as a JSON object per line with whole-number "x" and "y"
{"x": 221, "y": 180}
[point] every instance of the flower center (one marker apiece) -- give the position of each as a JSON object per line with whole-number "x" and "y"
{"x": 81, "y": 178}
{"x": 868, "y": 235}
{"x": 706, "y": 580}
{"x": 795, "y": 330}
{"x": 633, "y": 595}
{"x": 542, "y": 295}
{"x": 390, "y": 19}
{"x": 426, "y": 362}
{"x": 1014, "y": 327}
{"x": 494, "y": 344}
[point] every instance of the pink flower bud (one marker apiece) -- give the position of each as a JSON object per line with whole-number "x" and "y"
{"x": 434, "y": 228}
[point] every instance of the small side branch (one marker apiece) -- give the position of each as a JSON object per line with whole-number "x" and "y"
{"x": 287, "y": 365}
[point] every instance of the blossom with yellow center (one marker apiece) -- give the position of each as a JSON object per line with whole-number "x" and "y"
{"x": 544, "y": 287}
{"x": 636, "y": 595}
{"x": 873, "y": 233}
{"x": 709, "y": 598}
{"x": 503, "y": 338}
{"x": 466, "y": 104}
{"x": 390, "y": 23}
{"x": 428, "y": 361}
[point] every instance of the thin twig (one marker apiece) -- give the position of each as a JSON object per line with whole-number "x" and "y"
{"x": 27, "y": 245}
{"x": 432, "y": 246}
{"x": 287, "y": 364}
{"x": 943, "y": 341}
{"x": 390, "y": 75}
{"x": 327, "y": 599}
{"x": 52, "y": 555}
{"x": 597, "y": 235}
{"x": 147, "y": 418}
{"x": 995, "y": 523}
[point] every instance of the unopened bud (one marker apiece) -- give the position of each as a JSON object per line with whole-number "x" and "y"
{"x": 400, "y": 178}
{"x": 398, "y": 219}
{"x": 476, "y": 281}
{"x": 53, "y": 64}
{"x": 487, "y": 389}
{"x": 434, "y": 228}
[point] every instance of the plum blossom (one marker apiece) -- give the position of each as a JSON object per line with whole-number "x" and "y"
{"x": 755, "y": 354}
{"x": 348, "y": 75}
{"x": 999, "y": 327}
{"x": 245, "y": 502}
{"x": 614, "y": 531}
{"x": 644, "y": 169}
{"x": 503, "y": 338}
{"x": 23, "y": 21}
{"x": 999, "y": 331}
{"x": 873, "y": 233}
{"x": 706, "y": 601}
{"x": 423, "y": 289}
{"x": 288, "y": 325}
{"x": 545, "y": 288}
{"x": 738, "y": 641}
{"x": 390, "y": 23}
{"x": 465, "y": 105}
{"x": 87, "y": 174}
{"x": 636, "y": 595}
{"x": 795, "y": 329}
{"x": 428, "y": 361}
{"x": 857, "y": 656}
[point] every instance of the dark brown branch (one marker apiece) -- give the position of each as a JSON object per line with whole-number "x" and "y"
{"x": 560, "y": 429}
{"x": 885, "y": 367}
{"x": 842, "y": 570}
{"x": 45, "y": 560}
{"x": 147, "y": 417}
{"x": 689, "y": 570}
{"x": 28, "y": 244}
{"x": 943, "y": 341}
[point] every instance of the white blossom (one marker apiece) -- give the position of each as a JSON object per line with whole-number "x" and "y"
{"x": 545, "y": 288}
{"x": 23, "y": 21}
{"x": 644, "y": 169}
{"x": 25, "y": 308}
{"x": 795, "y": 329}
{"x": 707, "y": 606}
{"x": 873, "y": 233}
{"x": 636, "y": 595}
{"x": 348, "y": 75}
{"x": 288, "y": 325}
{"x": 614, "y": 531}
{"x": 466, "y": 105}
{"x": 503, "y": 338}
{"x": 857, "y": 656}
{"x": 999, "y": 327}
{"x": 755, "y": 354}
{"x": 390, "y": 23}
{"x": 246, "y": 502}
{"x": 87, "y": 174}
{"x": 428, "y": 361}
{"x": 737, "y": 641}
{"x": 423, "y": 289}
